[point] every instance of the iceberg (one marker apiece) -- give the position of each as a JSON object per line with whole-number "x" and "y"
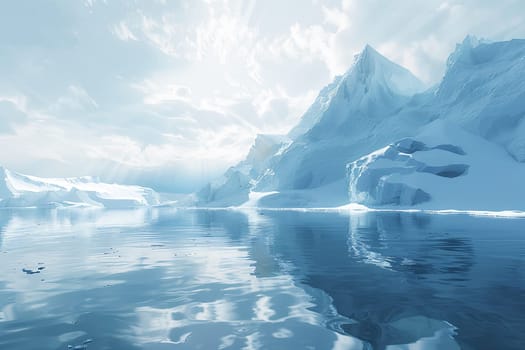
{"x": 18, "y": 190}
{"x": 375, "y": 136}
{"x": 444, "y": 167}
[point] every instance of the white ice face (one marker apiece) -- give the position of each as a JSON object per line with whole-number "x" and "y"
{"x": 18, "y": 190}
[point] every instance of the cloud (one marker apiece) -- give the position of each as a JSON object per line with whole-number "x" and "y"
{"x": 137, "y": 91}
{"x": 156, "y": 92}
{"x": 122, "y": 32}
{"x": 417, "y": 34}
{"x": 75, "y": 100}
{"x": 12, "y": 112}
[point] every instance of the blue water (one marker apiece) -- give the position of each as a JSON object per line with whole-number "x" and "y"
{"x": 177, "y": 279}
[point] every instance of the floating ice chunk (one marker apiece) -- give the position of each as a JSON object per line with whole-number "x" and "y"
{"x": 18, "y": 190}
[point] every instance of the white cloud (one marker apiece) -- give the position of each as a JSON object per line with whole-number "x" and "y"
{"x": 162, "y": 34}
{"x": 122, "y": 31}
{"x": 336, "y": 17}
{"x": 417, "y": 34}
{"x": 13, "y": 110}
{"x": 162, "y": 84}
{"x": 74, "y": 100}
{"x": 224, "y": 37}
{"x": 159, "y": 92}
{"x": 18, "y": 101}
{"x": 207, "y": 146}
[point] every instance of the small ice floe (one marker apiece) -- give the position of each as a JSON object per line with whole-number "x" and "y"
{"x": 38, "y": 269}
{"x": 82, "y": 346}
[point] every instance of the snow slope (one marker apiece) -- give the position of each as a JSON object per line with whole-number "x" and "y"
{"x": 484, "y": 91}
{"x": 18, "y": 190}
{"x": 234, "y": 186}
{"x": 345, "y": 114}
{"x": 444, "y": 167}
{"x": 379, "y": 104}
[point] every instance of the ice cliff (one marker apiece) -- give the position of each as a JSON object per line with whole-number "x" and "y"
{"x": 18, "y": 190}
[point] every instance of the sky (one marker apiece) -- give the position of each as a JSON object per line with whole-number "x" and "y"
{"x": 168, "y": 94}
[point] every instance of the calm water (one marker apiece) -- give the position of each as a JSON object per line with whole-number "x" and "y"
{"x": 167, "y": 279}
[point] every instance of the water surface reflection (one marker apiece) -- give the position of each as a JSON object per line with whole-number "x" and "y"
{"x": 165, "y": 278}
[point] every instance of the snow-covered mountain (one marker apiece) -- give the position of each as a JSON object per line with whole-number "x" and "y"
{"x": 234, "y": 186}
{"x": 372, "y": 90}
{"x": 484, "y": 91}
{"x": 373, "y": 87}
{"x": 362, "y": 120}
{"x": 18, "y": 190}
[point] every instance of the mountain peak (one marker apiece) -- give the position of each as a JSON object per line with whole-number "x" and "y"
{"x": 367, "y": 56}
{"x": 368, "y": 49}
{"x": 463, "y": 50}
{"x": 371, "y": 85}
{"x": 372, "y": 68}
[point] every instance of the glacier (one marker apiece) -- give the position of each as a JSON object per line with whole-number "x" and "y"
{"x": 23, "y": 191}
{"x": 441, "y": 168}
{"x": 377, "y": 137}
